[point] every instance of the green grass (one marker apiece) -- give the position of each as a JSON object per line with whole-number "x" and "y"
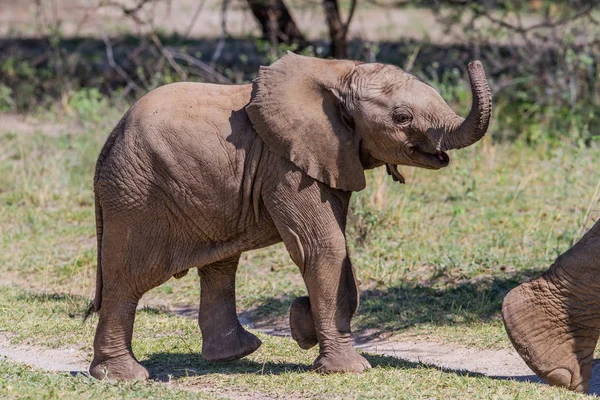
{"x": 434, "y": 259}
{"x": 436, "y": 255}
{"x": 386, "y": 381}
{"x": 20, "y": 382}
{"x": 169, "y": 346}
{"x": 446, "y": 248}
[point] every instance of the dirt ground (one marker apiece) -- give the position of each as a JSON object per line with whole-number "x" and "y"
{"x": 80, "y": 18}
{"x": 497, "y": 364}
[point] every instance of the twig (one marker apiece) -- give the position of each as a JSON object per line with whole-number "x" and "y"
{"x": 593, "y": 201}
{"x": 411, "y": 60}
{"x": 221, "y": 43}
{"x": 132, "y": 11}
{"x": 188, "y": 31}
{"x": 185, "y": 342}
{"x": 168, "y": 56}
{"x": 399, "y": 3}
{"x": 217, "y": 77}
{"x": 117, "y": 67}
{"x": 545, "y": 24}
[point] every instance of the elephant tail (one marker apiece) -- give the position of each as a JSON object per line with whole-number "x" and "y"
{"x": 94, "y": 306}
{"x": 97, "y": 303}
{"x": 99, "y": 223}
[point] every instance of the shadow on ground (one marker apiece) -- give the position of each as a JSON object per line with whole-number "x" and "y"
{"x": 408, "y": 304}
{"x": 166, "y": 366}
{"x": 175, "y": 365}
{"x": 594, "y": 384}
{"x": 438, "y": 302}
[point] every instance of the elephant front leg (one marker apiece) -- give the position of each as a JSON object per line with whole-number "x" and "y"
{"x": 223, "y": 337}
{"x": 333, "y": 301}
{"x": 311, "y": 220}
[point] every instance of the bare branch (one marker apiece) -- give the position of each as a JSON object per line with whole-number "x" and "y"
{"x": 214, "y": 75}
{"x": 350, "y": 16}
{"x": 546, "y": 24}
{"x": 168, "y": 56}
{"x": 117, "y": 67}
{"x": 188, "y": 31}
{"x": 221, "y": 43}
{"x": 398, "y": 3}
{"x": 127, "y": 11}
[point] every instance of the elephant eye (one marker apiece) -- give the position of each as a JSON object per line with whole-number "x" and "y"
{"x": 402, "y": 117}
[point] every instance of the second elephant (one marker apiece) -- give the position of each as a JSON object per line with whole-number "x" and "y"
{"x": 195, "y": 174}
{"x": 554, "y": 320}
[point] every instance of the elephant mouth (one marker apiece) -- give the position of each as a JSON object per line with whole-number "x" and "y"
{"x": 427, "y": 160}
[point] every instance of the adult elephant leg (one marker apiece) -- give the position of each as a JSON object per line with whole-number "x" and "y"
{"x": 223, "y": 337}
{"x": 554, "y": 321}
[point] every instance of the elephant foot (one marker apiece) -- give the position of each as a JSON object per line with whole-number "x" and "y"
{"x": 554, "y": 338}
{"x": 302, "y": 324}
{"x": 347, "y": 360}
{"x": 122, "y": 368}
{"x": 232, "y": 345}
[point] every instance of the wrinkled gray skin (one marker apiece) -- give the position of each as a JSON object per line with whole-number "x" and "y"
{"x": 195, "y": 174}
{"x": 554, "y": 321}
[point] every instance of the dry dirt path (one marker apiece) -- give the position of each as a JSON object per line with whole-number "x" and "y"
{"x": 66, "y": 359}
{"x": 79, "y": 18}
{"x": 496, "y": 364}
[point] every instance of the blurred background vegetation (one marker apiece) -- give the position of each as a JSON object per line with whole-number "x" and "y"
{"x": 542, "y": 56}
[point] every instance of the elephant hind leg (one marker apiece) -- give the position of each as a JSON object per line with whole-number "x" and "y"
{"x": 113, "y": 356}
{"x": 129, "y": 269}
{"x": 223, "y": 337}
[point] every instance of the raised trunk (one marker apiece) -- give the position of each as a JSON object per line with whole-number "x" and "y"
{"x": 465, "y": 132}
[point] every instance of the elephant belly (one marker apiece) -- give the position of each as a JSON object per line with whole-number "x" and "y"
{"x": 177, "y": 235}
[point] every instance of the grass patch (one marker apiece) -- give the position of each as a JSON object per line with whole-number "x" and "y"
{"x": 169, "y": 346}
{"x": 20, "y": 382}
{"x": 434, "y": 257}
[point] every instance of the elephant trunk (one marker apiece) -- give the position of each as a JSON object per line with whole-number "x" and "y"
{"x": 465, "y": 132}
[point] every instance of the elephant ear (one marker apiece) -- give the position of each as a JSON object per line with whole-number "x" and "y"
{"x": 297, "y": 109}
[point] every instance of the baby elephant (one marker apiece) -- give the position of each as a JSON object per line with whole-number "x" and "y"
{"x": 195, "y": 174}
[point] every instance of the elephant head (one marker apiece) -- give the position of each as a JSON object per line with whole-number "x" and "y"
{"x": 335, "y": 118}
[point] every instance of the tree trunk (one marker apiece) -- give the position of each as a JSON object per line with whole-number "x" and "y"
{"x": 276, "y": 22}
{"x": 337, "y": 30}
